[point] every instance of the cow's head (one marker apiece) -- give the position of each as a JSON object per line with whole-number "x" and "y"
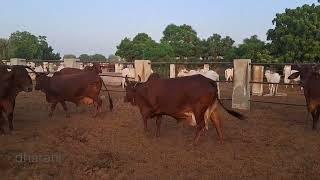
{"x": 41, "y": 81}
{"x": 131, "y": 88}
{"x": 305, "y": 72}
{"x": 21, "y": 78}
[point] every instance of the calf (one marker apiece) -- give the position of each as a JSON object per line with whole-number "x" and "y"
{"x": 310, "y": 81}
{"x": 192, "y": 99}
{"x": 12, "y": 83}
{"x": 79, "y": 88}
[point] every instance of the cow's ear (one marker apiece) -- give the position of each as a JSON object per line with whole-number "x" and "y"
{"x": 139, "y": 78}
{"x": 294, "y": 75}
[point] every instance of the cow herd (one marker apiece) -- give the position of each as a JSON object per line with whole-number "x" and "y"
{"x": 192, "y": 97}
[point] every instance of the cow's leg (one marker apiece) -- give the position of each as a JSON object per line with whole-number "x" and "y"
{"x": 53, "y": 107}
{"x": 10, "y": 115}
{"x": 315, "y": 116}
{"x": 65, "y": 108}
{"x": 276, "y": 89}
{"x": 216, "y": 120}
{"x": 158, "y": 122}
{"x": 2, "y": 122}
{"x": 200, "y": 129}
{"x": 98, "y": 103}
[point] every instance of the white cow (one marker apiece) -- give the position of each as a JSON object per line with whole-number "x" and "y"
{"x": 206, "y": 73}
{"x": 130, "y": 72}
{"x": 32, "y": 65}
{"x": 127, "y": 72}
{"x": 228, "y": 74}
{"x": 39, "y": 69}
{"x": 61, "y": 66}
{"x": 287, "y": 73}
{"x": 273, "y": 77}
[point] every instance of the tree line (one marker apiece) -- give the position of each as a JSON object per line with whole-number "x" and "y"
{"x": 294, "y": 38}
{"x": 26, "y": 45}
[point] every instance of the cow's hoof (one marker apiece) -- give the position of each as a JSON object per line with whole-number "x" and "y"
{"x": 50, "y": 115}
{"x": 68, "y": 116}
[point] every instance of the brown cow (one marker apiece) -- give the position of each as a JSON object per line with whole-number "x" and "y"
{"x": 16, "y": 81}
{"x": 310, "y": 81}
{"x": 192, "y": 99}
{"x": 95, "y": 68}
{"x": 79, "y": 88}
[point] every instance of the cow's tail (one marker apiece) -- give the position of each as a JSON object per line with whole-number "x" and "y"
{"x": 110, "y": 100}
{"x": 231, "y": 112}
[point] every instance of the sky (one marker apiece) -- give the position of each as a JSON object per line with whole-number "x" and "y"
{"x": 98, "y": 26}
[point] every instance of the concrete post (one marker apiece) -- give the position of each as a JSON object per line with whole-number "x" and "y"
{"x": 71, "y": 63}
{"x": 241, "y": 85}
{"x": 142, "y": 69}
{"x": 257, "y": 72}
{"x": 18, "y": 61}
{"x": 172, "y": 71}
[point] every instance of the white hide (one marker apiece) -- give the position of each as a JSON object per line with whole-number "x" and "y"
{"x": 272, "y": 78}
{"x": 228, "y": 74}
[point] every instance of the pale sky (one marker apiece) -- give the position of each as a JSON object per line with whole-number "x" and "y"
{"x": 98, "y": 26}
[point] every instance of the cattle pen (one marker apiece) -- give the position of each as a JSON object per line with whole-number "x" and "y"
{"x": 275, "y": 142}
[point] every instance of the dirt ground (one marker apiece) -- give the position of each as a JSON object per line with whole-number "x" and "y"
{"x": 275, "y": 142}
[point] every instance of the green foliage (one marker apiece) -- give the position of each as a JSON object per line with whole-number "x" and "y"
{"x": 143, "y": 47}
{"x": 4, "y": 46}
{"x": 84, "y": 57}
{"x": 28, "y": 46}
{"x": 216, "y": 46}
{"x": 255, "y": 49}
{"x": 296, "y": 36}
{"x": 183, "y": 40}
{"x": 69, "y": 56}
{"x": 98, "y": 57}
{"x": 113, "y": 58}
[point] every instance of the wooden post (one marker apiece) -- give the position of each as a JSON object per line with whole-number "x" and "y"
{"x": 257, "y": 76}
{"x": 172, "y": 71}
{"x": 241, "y": 85}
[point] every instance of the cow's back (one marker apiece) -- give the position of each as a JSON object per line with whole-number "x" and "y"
{"x": 74, "y": 85}
{"x": 177, "y": 93}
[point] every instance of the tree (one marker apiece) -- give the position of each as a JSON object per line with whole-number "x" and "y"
{"x": 23, "y": 45}
{"x": 46, "y": 51}
{"x": 69, "y": 56}
{"x": 142, "y": 46}
{"x": 296, "y": 35}
{"x": 183, "y": 39}
{"x": 98, "y": 57}
{"x": 28, "y": 46}
{"x": 84, "y": 57}
{"x": 114, "y": 58}
{"x": 161, "y": 51}
{"x": 254, "y": 49}
{"x": 125, "y": 50}
{"x": 4, "y": 46}
{"x": 217, "y": 46}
